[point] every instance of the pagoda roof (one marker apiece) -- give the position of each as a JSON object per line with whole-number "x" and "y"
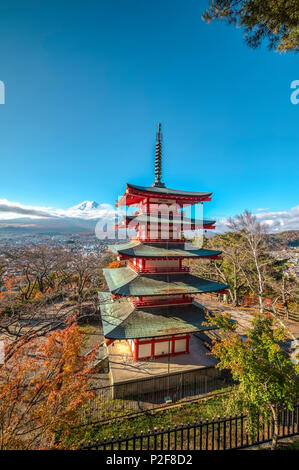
{"x": 125, "y": 281}
{"x": 164, "y": 219}
{"x": 135, "y": 194}
{"x": 162, "y": 190}
{"x": 121, "y": 320}
{"x": 161, "y": 250}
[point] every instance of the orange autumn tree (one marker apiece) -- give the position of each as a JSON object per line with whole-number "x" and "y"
{"x": 115, "y": 264}
{"x": 43, "y": 388}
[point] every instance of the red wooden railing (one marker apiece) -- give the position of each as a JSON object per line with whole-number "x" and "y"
{"x": 156, "y": 240}
{"x": 157, "y": 269}
{"x": 144, "y": 302}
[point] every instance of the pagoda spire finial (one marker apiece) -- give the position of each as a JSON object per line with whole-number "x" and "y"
{"x": 158, "y": 160}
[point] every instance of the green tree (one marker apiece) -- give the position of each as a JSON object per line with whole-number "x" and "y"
{"x": 232, "y": 259}
{"x": 229, "y": 269}
{"x": 276, "y": 21}
{"x": 265, "y": 374}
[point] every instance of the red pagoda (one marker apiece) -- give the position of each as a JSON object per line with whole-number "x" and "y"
{"x": 151, "y": 302}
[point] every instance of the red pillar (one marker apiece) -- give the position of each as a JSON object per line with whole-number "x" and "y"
{"x": 187, "y": 343}
{"x": 172, "y": 344}
{"x": 136, "y": 347}
{"x": 153, "y": 348}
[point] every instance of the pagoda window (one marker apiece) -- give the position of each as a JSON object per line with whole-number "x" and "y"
{"x": 162, "y": 348}
{"x": 144, "y": 350}
{"x": 180, "y": 345}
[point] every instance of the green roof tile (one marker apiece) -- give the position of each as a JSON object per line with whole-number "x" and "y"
{"x": 125, "y": 281}
{"x": 162, "y": 250}
{"x": 121, "y": 320}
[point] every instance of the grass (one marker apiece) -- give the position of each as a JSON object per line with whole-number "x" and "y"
{"x": 203, "y": 409}
{"x": 292, "y": 446}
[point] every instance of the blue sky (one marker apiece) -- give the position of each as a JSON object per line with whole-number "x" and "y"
{"x": 87, "y": 82}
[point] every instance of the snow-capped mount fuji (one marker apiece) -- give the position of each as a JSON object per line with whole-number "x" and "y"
{"x": 89, "y": 210}
{"x": 86, "y": 206}
{"x": 81, "y": 217}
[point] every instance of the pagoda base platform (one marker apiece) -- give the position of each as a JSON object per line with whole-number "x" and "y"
{"x": 131, "y": 377}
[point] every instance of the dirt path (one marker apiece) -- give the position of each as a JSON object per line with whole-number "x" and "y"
{"x": 242, "y": 315}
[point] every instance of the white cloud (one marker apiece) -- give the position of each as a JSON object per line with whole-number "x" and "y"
{"x": 12, "y": 210}
{"x": 87, "y": 210}
{"x": 279, "y": 221}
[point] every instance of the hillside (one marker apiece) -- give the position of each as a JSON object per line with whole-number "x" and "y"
{"x": 286, "y": 239}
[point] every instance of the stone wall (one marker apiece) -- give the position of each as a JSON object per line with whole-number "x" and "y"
{"x": 197, "y": 381}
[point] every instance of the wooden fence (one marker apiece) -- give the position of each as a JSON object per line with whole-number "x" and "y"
{"x": 252, "y": 302}
{"x": 294, "y": 316}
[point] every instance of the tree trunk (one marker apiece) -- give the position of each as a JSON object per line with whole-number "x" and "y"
{"x": 231, "y": 297}
{"x": 235, "y": 300}
{"x": 275, "y": 428}
{"x": 260, "y": 281}
{"x": 40, "y": 282}
{"x": 261, "y": 304}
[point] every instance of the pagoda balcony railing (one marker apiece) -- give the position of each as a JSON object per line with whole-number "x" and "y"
{"x": 156, "y": 240}
{"x": 144, "y": 302}
{"x": 158, "y": 269}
